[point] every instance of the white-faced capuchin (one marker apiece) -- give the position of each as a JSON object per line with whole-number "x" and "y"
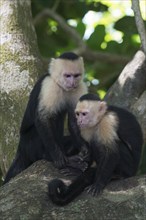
{"x": 42, "y": 130}
{"x": 115, "y": 140}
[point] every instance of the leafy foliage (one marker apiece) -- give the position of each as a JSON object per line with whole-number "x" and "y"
{"x": 109, "y": 34}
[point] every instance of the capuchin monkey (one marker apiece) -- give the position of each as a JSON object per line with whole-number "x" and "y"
{"x": 42, "y": 130}
{"x": 114, "y": 138}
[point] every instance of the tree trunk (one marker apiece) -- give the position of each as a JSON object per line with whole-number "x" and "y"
{"x": 20, "y": 66}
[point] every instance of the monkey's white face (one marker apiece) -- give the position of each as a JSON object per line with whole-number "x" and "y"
{"x": 71, "y": 80}
{"x": 68, "y": 74}
{"x": 89, "y": 113}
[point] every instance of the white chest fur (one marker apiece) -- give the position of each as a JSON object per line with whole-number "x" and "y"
{"x": 53, "y": 98}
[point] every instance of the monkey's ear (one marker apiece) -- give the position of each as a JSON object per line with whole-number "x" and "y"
{"x": 52, "y": 60}
{"x": 102, "y": 106}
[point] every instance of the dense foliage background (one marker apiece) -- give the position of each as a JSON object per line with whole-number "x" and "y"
{"x": 105, "y": 27}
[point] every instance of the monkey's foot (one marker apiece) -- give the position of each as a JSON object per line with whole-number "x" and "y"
{"x": 94, "y": 190}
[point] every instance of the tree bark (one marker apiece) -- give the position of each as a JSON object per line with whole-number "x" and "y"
{"x": 139, "y": 23}
{"x": 25, "y": 197}
{"x": 20, "y": 66}
{"x": 129, "y": 91}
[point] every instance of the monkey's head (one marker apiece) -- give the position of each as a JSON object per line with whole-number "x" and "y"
{"x": 67, "y": 70}
{"x": 89, "y": 111}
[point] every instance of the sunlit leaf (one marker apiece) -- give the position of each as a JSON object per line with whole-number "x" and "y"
{"x": 101, "y": 93}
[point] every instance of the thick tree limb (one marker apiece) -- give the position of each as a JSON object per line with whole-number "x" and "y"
{"x": 25, "y": 197}
{"x": 129, "y": 89}
{"x": 130, "y": 84}
{"x": 139, "y": 109}
{"x": 139, "y": 23}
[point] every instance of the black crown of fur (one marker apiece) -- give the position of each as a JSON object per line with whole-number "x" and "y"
{"x": 90, "y": 97}
{"x": 69, "y": 56}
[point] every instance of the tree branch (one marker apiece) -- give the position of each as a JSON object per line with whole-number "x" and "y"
{"x": 69, "y": 30}
{"x": 129, "y": 89}
{"x": 139, "y": 23}
{"x": 25, "y": 197}
{"x": 82, "y": 49}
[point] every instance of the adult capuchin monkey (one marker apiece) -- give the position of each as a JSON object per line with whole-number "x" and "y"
{"x": 42, "y": 130}
{"x": 115, "y": 140}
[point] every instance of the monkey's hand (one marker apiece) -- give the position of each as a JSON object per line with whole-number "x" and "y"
{"x": 77, "y": 162}
{"x": 94, "y": 189}
{"x": 85, "y": 154}
{"x": 60, "y": 161}
{"x": 75, "y": 166}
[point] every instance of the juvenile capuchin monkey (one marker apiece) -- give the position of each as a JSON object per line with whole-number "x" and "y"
{"x": 42, "y": 130}
{"x": 114, "y": 138}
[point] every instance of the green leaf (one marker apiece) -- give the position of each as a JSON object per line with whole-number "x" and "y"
{"x": 97, "y": 37}
{"x": 81, "y": 28}
{"x": 113, "y": 46}
{"x": 126, "y": 25}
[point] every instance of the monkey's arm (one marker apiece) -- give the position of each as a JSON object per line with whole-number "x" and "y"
{"x": 106, "y": 159}
{"x": 52, "y": 149}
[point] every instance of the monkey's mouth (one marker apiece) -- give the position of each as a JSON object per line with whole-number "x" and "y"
{"x": 82, "y": 126}
{"x": 71, "y": 88}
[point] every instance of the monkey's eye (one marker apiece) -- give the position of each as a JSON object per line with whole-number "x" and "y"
{"x": 67, "y": 75}
{"x": 84, "y": 113}
{"x": 77, "y": 113}
{"x": 77, "y": 75}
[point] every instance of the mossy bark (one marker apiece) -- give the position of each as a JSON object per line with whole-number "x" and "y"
{"x": 20, "y": 66}
{"x": 25, "y": 197}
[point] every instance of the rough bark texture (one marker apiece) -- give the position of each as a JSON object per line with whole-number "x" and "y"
{"x": 20, "y": 66}
{"x": 129, "y": 91}
{"x": 25, "y": 197}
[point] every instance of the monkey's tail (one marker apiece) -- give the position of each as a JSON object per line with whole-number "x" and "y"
{"x": 61, "y": 194}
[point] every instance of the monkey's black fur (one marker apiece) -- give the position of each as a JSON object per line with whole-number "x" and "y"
{"x": 120, "y": 160}
{"x": 69, "y": 56}
{"x": 44, "y": 139}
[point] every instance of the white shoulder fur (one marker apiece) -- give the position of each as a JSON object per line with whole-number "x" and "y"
{"x": 105, "y": 132}
{"x": 107, "y": 129}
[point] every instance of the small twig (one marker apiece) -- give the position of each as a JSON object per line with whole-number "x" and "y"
{"x": 139, "y": 23}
